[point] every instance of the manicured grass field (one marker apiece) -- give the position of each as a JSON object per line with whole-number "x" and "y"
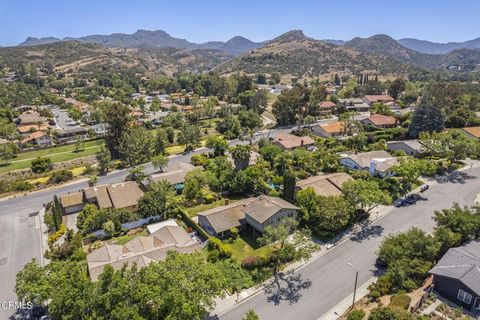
{"x": 246, "y": 245}
{"x": 56, "y": 154}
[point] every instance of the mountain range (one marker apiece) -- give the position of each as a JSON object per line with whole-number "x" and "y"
{"x": 235, "y": 46}
{"x": 153, "y": 39}
{"x": 290, "y": 54}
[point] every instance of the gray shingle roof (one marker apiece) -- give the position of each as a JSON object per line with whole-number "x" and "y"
{"x": 264, "y": 207}
{"x": 462, "y": 263}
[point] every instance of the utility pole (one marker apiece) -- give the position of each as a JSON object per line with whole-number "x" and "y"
{"x": 355, "y": 285}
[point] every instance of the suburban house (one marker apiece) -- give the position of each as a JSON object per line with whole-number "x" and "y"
{"x": 71, "y": 134}
{"x": 457, "y": 275}
{"x": 37, "y": 138}
{"x": 31, "y": 117}
{"x": 123, "y": 195}
{"x": 99, "y": 129}
{"x": 328, "y": 130}
{"x": 380, "y": 121}
{"x": 411, "y": 147}
{"x": 473, "y": 132}
{"x": 377, "y": 163}
{"x": 382, "y": 98}
{"x": 326, "y": 107}
{"x": 289, "y": 141}
{"x": 255, "y": 213}
{"x": 354, "y": 104}
{"x": 142, "y": 250}
{"x": 29, "y": 128}
{"x": 220, "y": 220}
{"x": 268, "y": 211}
{"x": 175, "y": 175}
{"x": 325, "y": 184}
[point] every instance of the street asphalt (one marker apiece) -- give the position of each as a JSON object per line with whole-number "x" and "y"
{"x": 320, "y": 285}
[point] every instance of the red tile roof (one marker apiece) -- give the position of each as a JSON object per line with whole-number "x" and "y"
{"x": 327, "y": 105}
{"x": 379, "y": 98}
{"x": 382, "y": 120}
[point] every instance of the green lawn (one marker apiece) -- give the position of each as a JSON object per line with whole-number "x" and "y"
{"x": 56, "y": 154}
{"x": 124, "y": 239}
{"x": 246, "y": 245}
{"x": 192, "y": 212}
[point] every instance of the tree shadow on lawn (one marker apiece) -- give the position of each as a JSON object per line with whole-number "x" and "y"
{"x": 367, "y": 231}
{"x": 250, "y": 239}
{"x": 286, "y": 286}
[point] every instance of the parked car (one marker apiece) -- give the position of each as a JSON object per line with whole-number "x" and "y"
{"x": 413, "y": 198}
{"x": 424, "y": 188}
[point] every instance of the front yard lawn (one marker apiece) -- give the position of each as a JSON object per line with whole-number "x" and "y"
{"x": 246, "y": 245}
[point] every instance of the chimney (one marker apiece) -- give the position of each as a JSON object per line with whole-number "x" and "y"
{"x": 373, "y": 167}
{"x": 227, "y": 202}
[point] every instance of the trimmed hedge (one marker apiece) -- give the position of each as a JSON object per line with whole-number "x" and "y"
{"x": 192, "y": 224}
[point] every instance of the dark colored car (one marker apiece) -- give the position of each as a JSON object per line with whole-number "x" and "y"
{"x": 413, "y": 198}
{"x": 424, "y": 188}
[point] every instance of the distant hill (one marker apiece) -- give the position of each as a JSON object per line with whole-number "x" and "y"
{"x": 33, "y": 41}
{"x": 153, "y": 39}
{"x": 425, "y": 46}
{"x": 386, "y": 46}
{"x": 74, "y": 56}
{"x": 297, "y": 55}
{"x": 333, "y": 41}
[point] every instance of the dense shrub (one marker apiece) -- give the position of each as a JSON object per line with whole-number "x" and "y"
{"x": 250, "y": 262}
{"x": 356, "y": 315}
{"x": 223, "y": 249}
{"x": 40, "y": 165}
{"x": 60, "y": 176}
{"x": 57, "y": 234}
{"x": 400, "y": 301}
{"x": 20, "y": 186}
{"x": 213, "y": 256}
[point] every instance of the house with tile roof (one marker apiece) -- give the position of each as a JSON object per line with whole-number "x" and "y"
{"x": 141, "y": 250}
{"x": 377, "y": 163}
{"x": 123, "y": 195}
{"x": 457, "y": 275}
{"x": 380, "y": 121}
{"x": 329, "y": 130}
{"x": 381, "y": 98}
{"x": 329, "y": 184}
{"x": 37, "y": 138}
{"x": 473, "y": 132}
{"x": 326, "y": 107}
{"x": 288, "y": 141}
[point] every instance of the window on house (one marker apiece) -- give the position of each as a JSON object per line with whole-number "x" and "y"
{"x": 464, "y": 296}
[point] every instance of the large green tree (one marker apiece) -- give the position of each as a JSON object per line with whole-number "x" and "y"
{"x": 323, "y": 213}
{"x": 117, "y": 116}
{"x": 365, "y": 195}
{"x": 136, "y": 146}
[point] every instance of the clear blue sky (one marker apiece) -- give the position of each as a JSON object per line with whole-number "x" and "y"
{"x": 205, "y": 20}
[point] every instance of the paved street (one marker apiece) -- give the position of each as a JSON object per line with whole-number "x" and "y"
{"x": 19, "y": 234}
{"x": 323, "y": 283}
